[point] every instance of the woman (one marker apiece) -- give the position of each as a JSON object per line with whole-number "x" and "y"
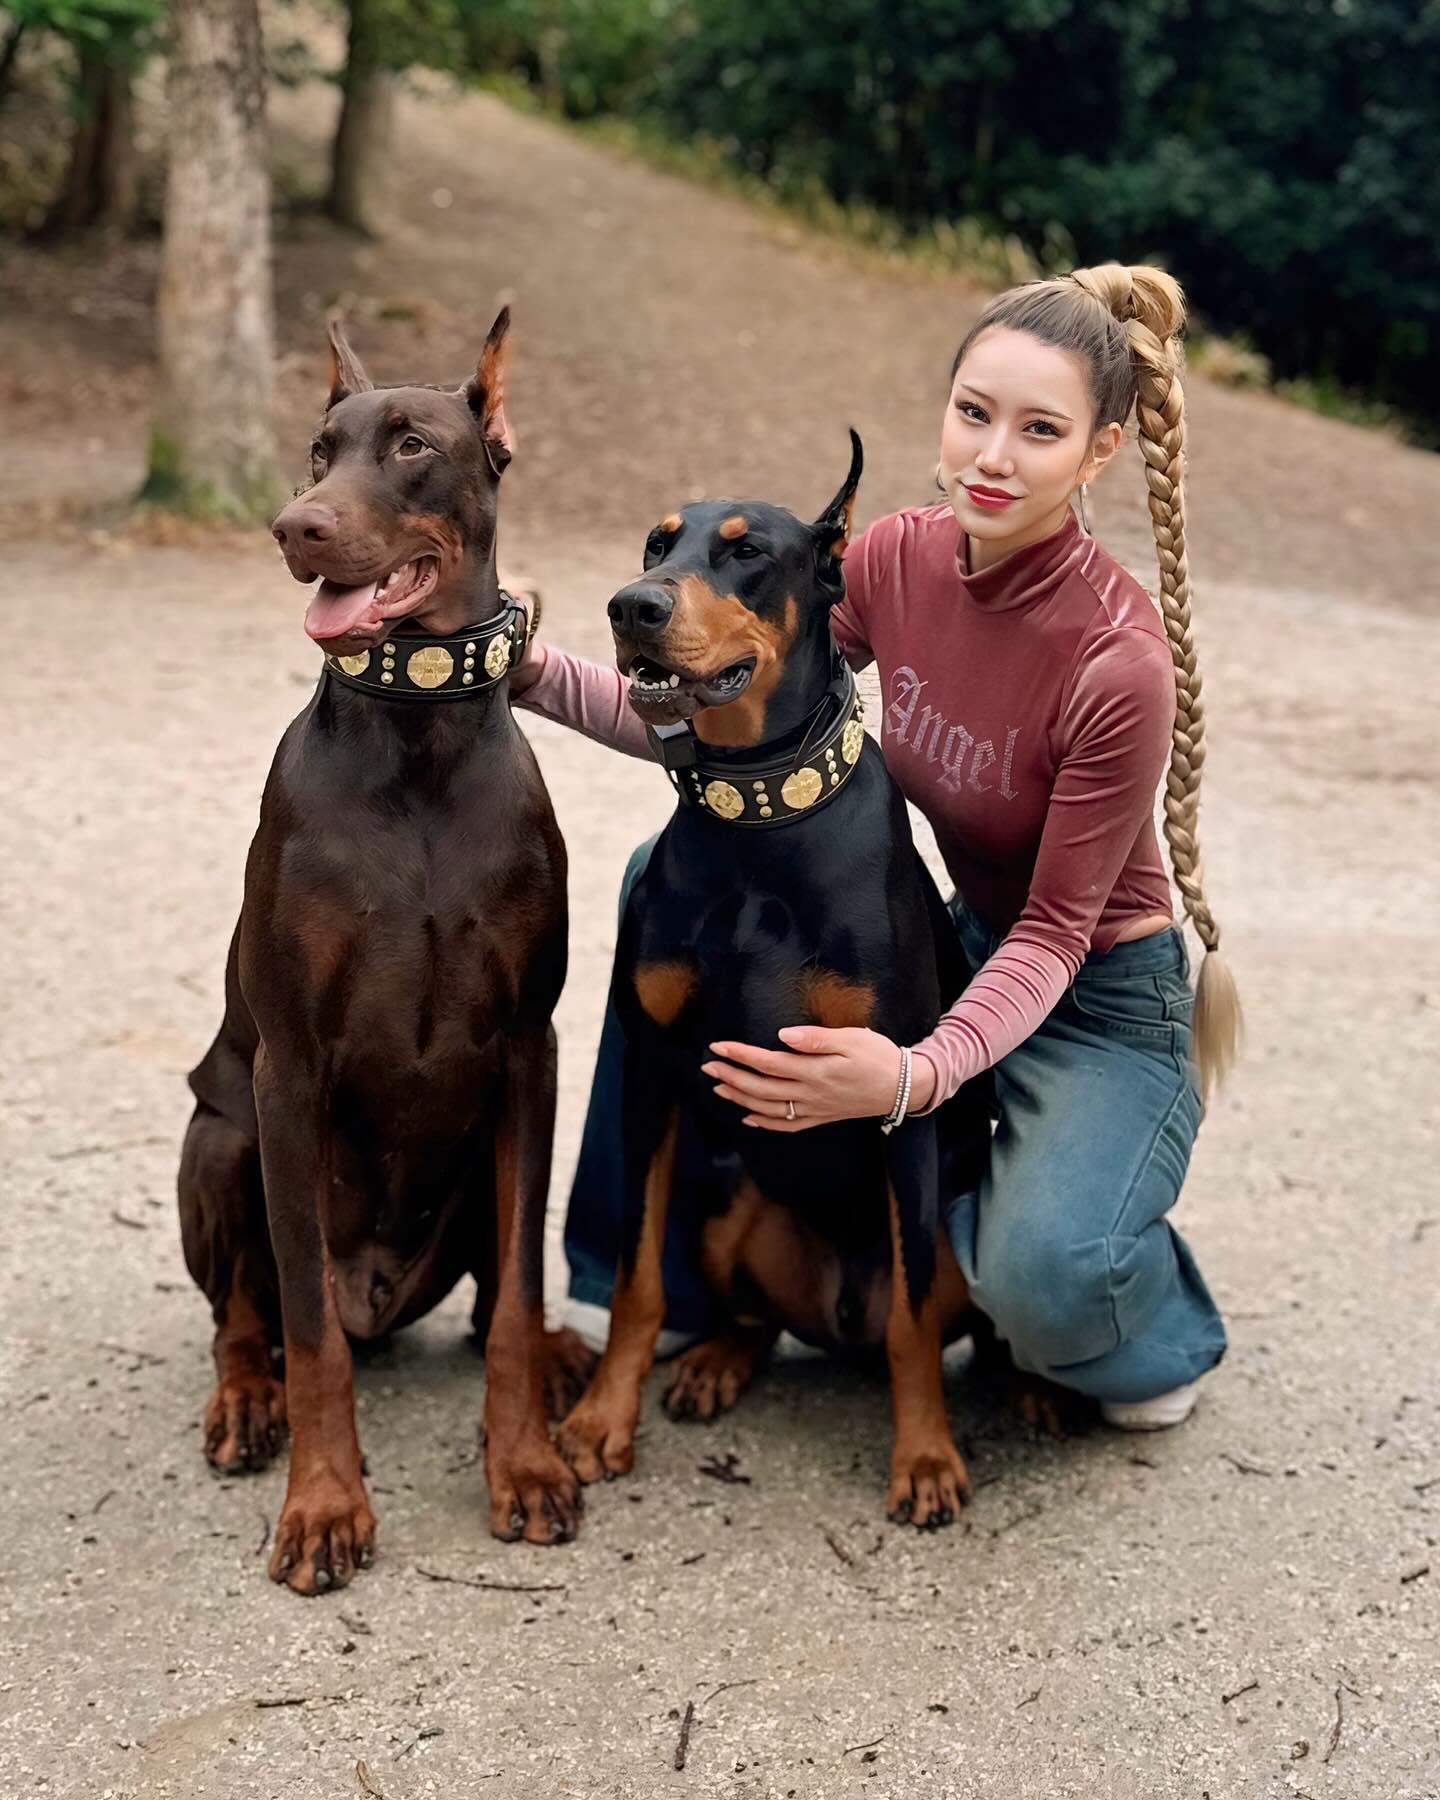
{"x": 1030, "y": 698}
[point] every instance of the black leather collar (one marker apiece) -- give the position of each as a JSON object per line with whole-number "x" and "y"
{"x": 458, "y": 667}
{"x": 773, "y": 790}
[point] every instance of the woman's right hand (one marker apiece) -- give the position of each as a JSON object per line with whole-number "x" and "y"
{"x": 525, "y": 673}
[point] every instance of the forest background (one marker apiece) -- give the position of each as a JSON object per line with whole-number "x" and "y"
{"x": 1277, "y": 155}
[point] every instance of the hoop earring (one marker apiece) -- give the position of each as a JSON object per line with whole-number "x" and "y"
{"x": 1085, "y": 509}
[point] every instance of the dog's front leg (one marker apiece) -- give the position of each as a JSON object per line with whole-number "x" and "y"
{"x": 599, "y": 1435}
{"x": 326, "y": 1528}
{"x": 928, "y": 1479}
{"x": 533, "y": 1491}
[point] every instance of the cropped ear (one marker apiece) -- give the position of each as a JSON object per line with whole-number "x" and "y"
{"x": 346, "y": 375}
{"x": 485, "y": 392}
{"x": 831, "y": 530}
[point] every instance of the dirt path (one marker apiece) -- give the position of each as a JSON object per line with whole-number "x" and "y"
{"x": 1081, "y": 1634}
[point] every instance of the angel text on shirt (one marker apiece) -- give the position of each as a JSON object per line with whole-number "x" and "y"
{"x": 929, "y": 734}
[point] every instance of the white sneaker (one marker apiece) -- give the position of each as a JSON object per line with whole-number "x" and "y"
{"x": 592, "y": 1323}
{"x": 1158, "y": 1414}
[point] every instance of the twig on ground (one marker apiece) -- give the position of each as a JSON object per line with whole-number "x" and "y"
{"x": 1424, "y": 1487}
{"x": 835, "y": 1544}
{"x": 129, "y": 1224}
{"x": 1021, "y": 1518}
{"x": 264, "y": 1535}
{"x": 1336, "y": 1729}
{"x": 687, "y": 1725}
{"x": 1249, "y": 1688}
{"x": 1029, "y": 1699}
{"x": 109, "y": 1494}
{"x": 726, "y": 1468}
{"x": 725, "y": 1686}
{"x": 267, "y": 1705}
{"x": 495, "y": 1587}
{"x": 426, "y": 1731}
{"x": 688, "y": 1562}
{"x": 1414, "y": 1574}
{"x": 1244, "y": 1464}
{"x": 367, "y": 1786}
{"x": 871, "y": 1745}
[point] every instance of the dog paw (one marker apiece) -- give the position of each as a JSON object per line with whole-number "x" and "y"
{"x": 245, "y": 1423}
{"x": 1052, "y": 1411}
{"x": 569, "y": 1364}
{"x": 325, "y": 1532}
{"x": 534, "y": 1494}
{"x": 709, "y": 1379}
{"x": 597, "y": 1443}
{"x": 929, "y": 1484}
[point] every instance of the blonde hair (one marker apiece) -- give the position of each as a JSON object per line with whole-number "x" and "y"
{"x": 1126, "y": 323}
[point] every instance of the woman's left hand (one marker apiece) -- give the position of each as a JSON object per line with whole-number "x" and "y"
{"x": 823, "y": 1074}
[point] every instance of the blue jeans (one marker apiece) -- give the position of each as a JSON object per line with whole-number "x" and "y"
{"x": 1066, "y": 1244}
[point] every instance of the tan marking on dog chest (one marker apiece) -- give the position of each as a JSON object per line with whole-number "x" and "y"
{"x": 837, "y": 1001}
{"x": 663, "y": 989}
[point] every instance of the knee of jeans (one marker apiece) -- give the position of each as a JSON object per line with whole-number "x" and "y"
{"x": 1052, "y": 1301}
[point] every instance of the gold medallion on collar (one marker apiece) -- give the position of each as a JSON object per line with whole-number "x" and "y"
{"x": 724, "y": 801}
{"x": 802, "y": 789}
{"x": 430, "y": 667}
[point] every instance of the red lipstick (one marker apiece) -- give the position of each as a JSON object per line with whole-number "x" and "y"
{"x": 994, "y": 499}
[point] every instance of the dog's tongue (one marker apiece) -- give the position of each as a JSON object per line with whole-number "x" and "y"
{"x": 333, "y": 612}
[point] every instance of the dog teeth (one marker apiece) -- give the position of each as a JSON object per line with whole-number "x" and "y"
{"x": 674, "y": 681}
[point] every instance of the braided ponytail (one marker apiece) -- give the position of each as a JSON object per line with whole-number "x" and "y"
{"x": 1125, "y": 323}
{"x": 1149, "y": 305}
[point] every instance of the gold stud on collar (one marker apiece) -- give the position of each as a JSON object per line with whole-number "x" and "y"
{"x": 355, "y": 665}
{"x": 497, "y": 657}
{"x": 852, "y": 740}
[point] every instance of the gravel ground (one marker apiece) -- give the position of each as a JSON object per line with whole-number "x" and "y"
{"x": 1245, "y": 1607}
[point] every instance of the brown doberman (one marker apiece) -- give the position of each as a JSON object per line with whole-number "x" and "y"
{"x": 374, "y": 1118}
{"x": 785, "y": 890}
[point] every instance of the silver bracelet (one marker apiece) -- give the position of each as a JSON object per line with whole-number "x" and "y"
{"x": 897, "y": 1112}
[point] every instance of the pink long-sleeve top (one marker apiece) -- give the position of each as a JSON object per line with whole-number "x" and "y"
{"x": 1028, "y": 712}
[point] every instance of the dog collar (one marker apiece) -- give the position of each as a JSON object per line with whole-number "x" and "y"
{"x": 457, "y": 667}
{"x": 774, "y": 790}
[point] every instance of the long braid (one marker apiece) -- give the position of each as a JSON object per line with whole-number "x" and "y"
{"x": 1149, "y": 305}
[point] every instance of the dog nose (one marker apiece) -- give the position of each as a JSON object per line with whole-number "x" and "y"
{"x": 304, "y": 522}
{"x": 641, "y": 607}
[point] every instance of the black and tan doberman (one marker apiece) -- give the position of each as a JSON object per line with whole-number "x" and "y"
{"x": 785, "y": 890}
{"x": 374, "y": 1118}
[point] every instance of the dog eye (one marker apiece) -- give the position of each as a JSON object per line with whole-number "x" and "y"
{"x": 412, "y": 446}
{"x": 317, "y": 455}
{"x": 654, "y": 547}
{"x": 747, "y": 552}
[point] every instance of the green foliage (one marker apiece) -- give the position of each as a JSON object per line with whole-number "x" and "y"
{"x": 1278, "y": 155}
{"x": 103, "y": 25}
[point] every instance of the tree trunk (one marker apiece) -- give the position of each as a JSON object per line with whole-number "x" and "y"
{"x": 8, "y": 52}
{"x": 101, "y": 174}
{"x": 212, "y": 448}
{"x": 364, "y": 139}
